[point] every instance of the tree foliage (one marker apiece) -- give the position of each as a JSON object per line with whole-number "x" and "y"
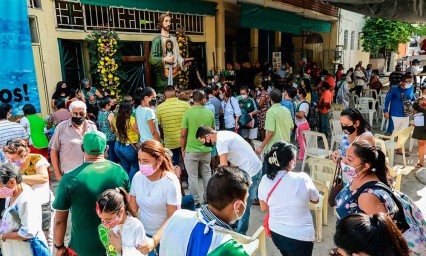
{"x": 381, "y": 35}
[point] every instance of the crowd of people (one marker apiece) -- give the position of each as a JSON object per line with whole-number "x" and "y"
{"x": 123, "y": 166}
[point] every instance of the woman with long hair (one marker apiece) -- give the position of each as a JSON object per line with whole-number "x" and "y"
{"x": 126, "y": 139}
{"x": 155, "y": 192}
{"x": 361, "y": 234}
{"x": 105, "y": 118}
{"x": 146, "y": 124}
{"x": 231, "y": 108}
{"x": 355, "y": 128}
{"x": 120, "y": 227}
{"x": 263, "y": 102}
{"x": 301, "y": 121}
{"x": 306, "y": 84}
{"x": 286, "y": 195}
{"x": 61, "y": 92}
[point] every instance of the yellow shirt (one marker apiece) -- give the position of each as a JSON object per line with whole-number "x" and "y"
{"x": 132, "y": 135}
{"x": 169, "y": 115}
{"x": 308, "y": 97}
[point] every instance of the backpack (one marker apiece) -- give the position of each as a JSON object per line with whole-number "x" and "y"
{"x": 410, "y": 220}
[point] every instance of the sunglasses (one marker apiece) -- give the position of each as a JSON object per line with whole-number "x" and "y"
{"x": 15, "y": 144}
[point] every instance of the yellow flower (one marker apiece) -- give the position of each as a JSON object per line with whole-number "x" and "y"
{"x": 111, "y": 248}
{"x": 105, "y": 79}
{"x": 99, "y": 40}
{"x": 101, "y": 63}
{"x": 180, "y": 44}
{"x": 116, "y": 78}
{"x": 110, "y": 76}
{"x": 107, "y": 58}
{"x": 102, "y": 45}
{"x": 103, "y": 71}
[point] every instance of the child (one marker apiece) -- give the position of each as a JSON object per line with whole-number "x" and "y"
{"x": 120, "y": 232}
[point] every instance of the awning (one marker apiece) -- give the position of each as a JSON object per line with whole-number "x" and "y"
{"x": 255, "y": 16}
{"x": 180, "y": 6}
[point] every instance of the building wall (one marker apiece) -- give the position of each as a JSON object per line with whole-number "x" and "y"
{"x": 352, "y": 22}
{"x": 48, "y": 58}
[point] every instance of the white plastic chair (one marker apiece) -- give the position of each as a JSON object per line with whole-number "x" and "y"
{"x": 353, "y": 100}
{"x": 382, "y": 98}
{"x": 381, "y": 144}
{"x": 336, "y": 133}
{"x": 364, "y": 107}
{"x": 396, "y": 141}
{"x": 311, "y": 146}
{"x": 320, "y": 209}
{"x": 372, "y": 93}
{"x": 337, "y": 107}
{"x": 254, "y": 244}
{"x": 336, "y": 115}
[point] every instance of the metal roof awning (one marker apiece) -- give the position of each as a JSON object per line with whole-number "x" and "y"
{"x": 180, "y": 6}
{"x": 255, "y": 16}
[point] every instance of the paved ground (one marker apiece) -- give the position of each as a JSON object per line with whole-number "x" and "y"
{"x": 410, "y": 186}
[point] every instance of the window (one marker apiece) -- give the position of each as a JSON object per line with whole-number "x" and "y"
{"x": 359, "y": 40}
{"x": 33, "y": 30}
{"x": 353, "y": 40}
{"x": 345, "y": 40}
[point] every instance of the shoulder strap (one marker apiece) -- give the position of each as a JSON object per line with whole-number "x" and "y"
{"x": 273, "y": 188}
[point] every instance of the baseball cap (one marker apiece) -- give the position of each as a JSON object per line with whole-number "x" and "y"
{"x": 416, "y": 61}
{"x": 94, "y": 143}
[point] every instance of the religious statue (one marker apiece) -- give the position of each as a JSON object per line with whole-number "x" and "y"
{"x": 164, "y": 57}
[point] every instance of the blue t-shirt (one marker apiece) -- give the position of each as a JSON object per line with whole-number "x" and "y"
{"x": 143, "y": 115}
{"x": 395, "y": 99}
{"x": 291, "y": 107}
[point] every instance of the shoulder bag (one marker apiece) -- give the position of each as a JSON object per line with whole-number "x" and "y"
{"x": 337, "y": 185}
{"x": 266, "y": 219}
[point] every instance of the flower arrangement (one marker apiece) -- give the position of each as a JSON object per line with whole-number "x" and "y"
{"x": 182, "y": 77}
{"x": 105, "y": 60}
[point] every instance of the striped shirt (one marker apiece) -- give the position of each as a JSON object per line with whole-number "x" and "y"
{"x": 169, "y": 114}
{"x": 9, "y": 131}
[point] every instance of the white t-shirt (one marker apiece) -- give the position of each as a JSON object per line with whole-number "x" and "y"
{"x": 239, "y": 151}
{"x": 153, "y": 197}
{"x": 132, "y": 235}
{"x": 413, "y": 69}
{"x": 42, "y": 191}
{"x": 26, "y": 124}
{"x": 359, "y": 73}
{"x": 303, "y": 106}
{"x": 289, "y": 204}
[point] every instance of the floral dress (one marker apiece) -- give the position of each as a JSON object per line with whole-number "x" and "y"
{"x": 346, "y": 204}
{"x": 262, "y": 111}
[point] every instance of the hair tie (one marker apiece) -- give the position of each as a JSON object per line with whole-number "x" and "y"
{"x": 98, "y": 209}
{"x": 373, "y": 169}
{"x": 273, "y": 159}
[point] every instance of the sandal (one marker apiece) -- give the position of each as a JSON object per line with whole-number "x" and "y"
{"x": 418, "y": 165}
{"x": 334, "y": 252}
{"x": 400, "y": 153}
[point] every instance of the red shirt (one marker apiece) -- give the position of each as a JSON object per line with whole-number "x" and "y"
{"x": 326, "y": 97}
{"x": 339, "y": 74}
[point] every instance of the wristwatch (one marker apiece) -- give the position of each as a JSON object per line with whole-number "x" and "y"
{"x": 58, "y": 246}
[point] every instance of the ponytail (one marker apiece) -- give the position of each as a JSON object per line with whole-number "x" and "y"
{"x": 112, "y": 200}
{"x": 279, "y": 157}
{"x": 381, "y": 169}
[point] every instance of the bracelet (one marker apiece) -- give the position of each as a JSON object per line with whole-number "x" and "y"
{"x": 59, "y": 246}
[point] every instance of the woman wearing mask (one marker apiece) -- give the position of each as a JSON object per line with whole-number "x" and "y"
{"x": 155, "y": 192}
{"x": 361, "y": 234}
{"x": 355, "y": 128}
{"x": 302, "y": 112}
{"x": 120, "y": 227}
{"x": 127, "y": 139}
{"x": 61, "y": 92}
{"x": 263, "y": 102}
{"x": 22, "y": 218}
{"x": 34, "y": 169}
{"x": 419, "y": 133}
{"x": 146, "y": 124}
{"x": 306, "y": 84}
{"x": 105, "y": 118}
{"x": 280, "y": 190}
{"x": 231, "y": 109}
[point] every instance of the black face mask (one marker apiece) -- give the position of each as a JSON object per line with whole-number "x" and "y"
{"x": 113, "y": 108}
{"x": 77, "y": 120}
{"x": 153, "y": 102}
{"x": 208, "y": 144}
{"x": 348, "y": 129}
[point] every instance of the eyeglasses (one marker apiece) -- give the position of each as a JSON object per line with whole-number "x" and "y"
{"x": 75, "y": 114}
{"x": 15, "y": 144}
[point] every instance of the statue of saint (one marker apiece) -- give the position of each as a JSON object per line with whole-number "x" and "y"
{"x": 164, "y": 57}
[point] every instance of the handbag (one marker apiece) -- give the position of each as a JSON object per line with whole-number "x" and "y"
{"x": 337, "y": 185}
{"x": 266, "y": 219}
{"x": 407, "y": 105}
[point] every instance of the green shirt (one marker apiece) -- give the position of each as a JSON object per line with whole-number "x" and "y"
{"x": 249, "y": 105}
{"x": 78, "y": 191}
{"x": 279, "y": 121}
{"x": 192, "y": 119}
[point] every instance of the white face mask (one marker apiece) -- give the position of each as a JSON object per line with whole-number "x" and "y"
{"x": 9, "y": 116}
{"x": 322, "y": 78}
{"x": 408, "y": 85}
{"x": 349, "y": 170}
{"x": 244, "y": 97}
{"x": 221, "y": 96}
{"x": 235, "y": 211}
{"x": 424, "y": 96}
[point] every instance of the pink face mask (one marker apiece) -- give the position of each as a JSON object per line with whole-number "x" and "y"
{"x": 112, "y": 223}
{"x": 6, "y": 192}
{"x": 147, "y": 169}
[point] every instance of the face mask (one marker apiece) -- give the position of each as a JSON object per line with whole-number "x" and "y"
{"x": 424, "y": 95}
{"x": 221, "y": 96}
{"x": 113, "y": 107}
{"x": 6, "y": 192}
{"x": 349, "y": 170}
{"x": 244, "y": 97}
{"x": 92, "y": 102}
{"x": 18, "y": 163}
{"x": 236, "y": 214}
{"x": 348, "y": 129}
{"x": 208, "y": 144}
{"x": 322, "y": 78}
{"x": 77, "y": 120}
{"x": 408, "y": 85}
{"x": 147, "y": 169}
{"x": 297, "y": 97}
{"x": 283, "y": 68}
{"x": 153, "y": 102}
{"x": 112, "y": 223}
{"x": 9, "y": 116}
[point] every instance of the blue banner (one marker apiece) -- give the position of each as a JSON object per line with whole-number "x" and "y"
{"x": 18, "y": 84}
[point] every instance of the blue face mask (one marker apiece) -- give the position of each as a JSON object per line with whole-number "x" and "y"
{"x": 297, "y": 97}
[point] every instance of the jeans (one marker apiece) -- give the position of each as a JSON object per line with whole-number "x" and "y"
{"x": 128, "y": 157}
{"x": 243, "y": 223}
{"x": 188, "y": 203}
{"x": 176, "y": 156}
{"x": 112, "y": 156}
{"x": 292, "y": 247}
{"x": 197, "y": 164}
{"x": 325, "y": 123}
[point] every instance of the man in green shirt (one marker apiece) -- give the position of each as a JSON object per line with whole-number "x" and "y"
{"x": 278, "y": 123}
{"x": 248, "y": 104}
{"x": 78, "y": 191}
{"x": 196, "y": 156}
